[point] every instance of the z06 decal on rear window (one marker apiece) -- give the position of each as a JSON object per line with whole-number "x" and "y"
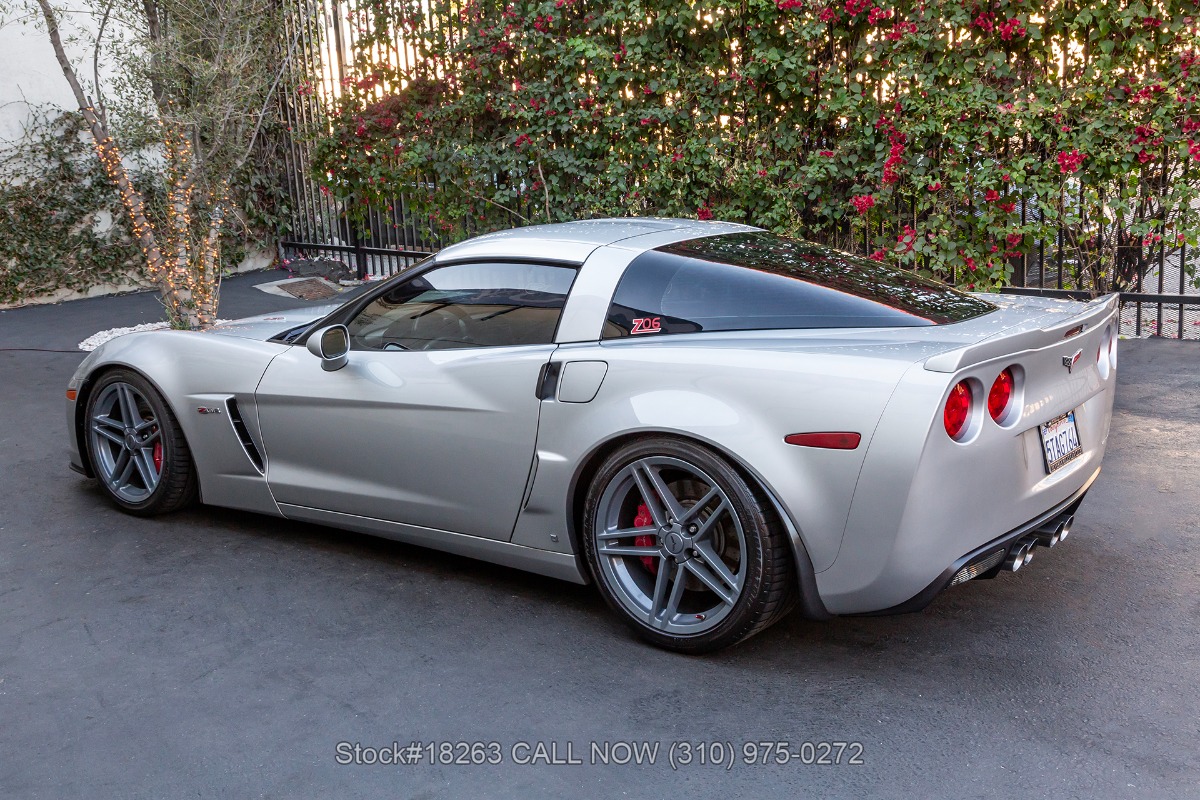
{"x": 647, "y": 325}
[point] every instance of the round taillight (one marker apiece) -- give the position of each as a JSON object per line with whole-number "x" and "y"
{"x": 958, "y": 409}
{"x": 1001, "y": 394}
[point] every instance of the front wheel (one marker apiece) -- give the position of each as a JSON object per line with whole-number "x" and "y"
{"x": 683, "y": 548}
{"x": 137, "y": 450}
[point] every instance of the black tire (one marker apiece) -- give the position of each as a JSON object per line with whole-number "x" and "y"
{"x": 177, "y": 485}
{"x": 766, "y": 581}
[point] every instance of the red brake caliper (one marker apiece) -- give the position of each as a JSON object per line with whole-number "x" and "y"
{"x": 158, "y": 456}
{"x": 643, "y": 520}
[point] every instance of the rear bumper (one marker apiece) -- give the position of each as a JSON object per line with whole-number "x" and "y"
{"x": 1002, "y": 544}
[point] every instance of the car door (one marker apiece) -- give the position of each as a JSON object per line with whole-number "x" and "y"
{"x": 433, "y": 420}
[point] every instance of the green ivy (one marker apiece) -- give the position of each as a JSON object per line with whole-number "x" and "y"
{"x": 55, "y": 208}
{"x": 915, "y": 131}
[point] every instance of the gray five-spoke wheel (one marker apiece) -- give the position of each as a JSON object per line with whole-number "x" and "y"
{"x": 670, "y": 545}
{"x": 126, "y": 439}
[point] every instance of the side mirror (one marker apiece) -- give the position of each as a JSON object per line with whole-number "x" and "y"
{"x": 331, "y": 345}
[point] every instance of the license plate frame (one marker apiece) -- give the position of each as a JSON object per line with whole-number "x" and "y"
{"x": 1060, "y": 441}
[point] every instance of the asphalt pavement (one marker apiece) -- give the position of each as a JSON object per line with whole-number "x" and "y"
{"x": 215, "y": 653}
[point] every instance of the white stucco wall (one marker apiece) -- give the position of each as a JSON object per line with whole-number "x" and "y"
{"x": 29, "y": 73}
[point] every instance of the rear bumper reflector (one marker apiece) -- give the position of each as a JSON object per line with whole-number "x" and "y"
{"x": 830, "y": 440}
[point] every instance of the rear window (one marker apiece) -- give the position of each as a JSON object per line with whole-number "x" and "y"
{"x": 760, "y": 281}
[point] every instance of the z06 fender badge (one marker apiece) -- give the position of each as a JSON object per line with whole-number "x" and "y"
{"x": 1070, "y": 361}
{"x": 647, "y": 325}
{"x": 208, "y": 410}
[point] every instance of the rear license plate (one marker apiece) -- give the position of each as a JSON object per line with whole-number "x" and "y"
{"x": 1060, "y": 441}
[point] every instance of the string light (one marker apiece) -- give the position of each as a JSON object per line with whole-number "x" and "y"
{"x": 186, "y": 270}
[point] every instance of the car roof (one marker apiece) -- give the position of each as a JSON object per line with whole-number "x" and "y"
{"x": 574, "y": 241}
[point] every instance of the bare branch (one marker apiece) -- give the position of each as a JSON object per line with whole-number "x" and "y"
{"x": 108, "y": 7}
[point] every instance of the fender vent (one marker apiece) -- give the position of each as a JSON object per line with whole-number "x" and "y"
{"x": 239, "y": 427}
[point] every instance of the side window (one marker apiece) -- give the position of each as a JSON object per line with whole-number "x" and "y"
{"x": 759, "y": 281}
{"x": 466, "y": 305}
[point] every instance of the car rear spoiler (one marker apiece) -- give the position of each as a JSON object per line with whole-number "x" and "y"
{"x": 1094, "y": 313}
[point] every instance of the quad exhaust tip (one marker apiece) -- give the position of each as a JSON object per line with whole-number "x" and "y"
{"x": 1020, "y": 555}
{"x": 1048, "y": 535}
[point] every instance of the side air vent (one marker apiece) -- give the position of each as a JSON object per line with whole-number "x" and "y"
{"x": 239, "y": 427}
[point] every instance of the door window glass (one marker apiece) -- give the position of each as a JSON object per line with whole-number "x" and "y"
{"x": 466, "y": 305}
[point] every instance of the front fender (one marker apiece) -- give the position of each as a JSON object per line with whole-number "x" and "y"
{"x": 191, "y": 371}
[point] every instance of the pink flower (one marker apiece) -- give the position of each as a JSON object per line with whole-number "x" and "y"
{"x": 645, "y": 121}
{"x": 971, "y": 264}
{"x": 878, "y": 14}
{"x": 863, "y": 202}
{"x": 787, "y": 5}
{"x": 827, "y": 14}
{"x": 856, "y": 7}
{"x": 907, "y": 239}
{"x": 878, "y": 255}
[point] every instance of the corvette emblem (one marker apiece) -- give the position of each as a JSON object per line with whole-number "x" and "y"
{"x": 1070, "y": 361}
{"x": 208, "y": 410}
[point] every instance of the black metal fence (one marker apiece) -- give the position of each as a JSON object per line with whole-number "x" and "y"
{"x": 1157, "y": 280}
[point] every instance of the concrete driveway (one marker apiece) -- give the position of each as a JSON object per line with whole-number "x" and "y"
{"x": 215, "y": 653}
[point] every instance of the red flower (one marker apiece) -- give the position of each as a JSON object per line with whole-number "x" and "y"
{"x": 863, "y": 202}
{"x": 787, "y": 5}
{"x": 971, "y": 264}
{"x": 1007, "y": 208}
{"x": 991, "y": 195}
{"x": 878, "y": 255}
{"x": 522, "y": 139}
{"x": 827, "y": 153}
{"x": 907, "y": 239}
{"x": 1014, "y": 239}
{"x": 762, "y": 173}
{"x": 1013, "y": 29}
{"x": 856, "y": 7}
{"x": 936, "y": 186}
{"x": 1144, "y": 156}
{"x": 827, "y": 14}
{"x": 878, "y": 14}
{"x": 704, "y": 212}
{"x": 645, "y": 121}
{"x": 676, "y": 157}
{"x": 1069, "y": 162}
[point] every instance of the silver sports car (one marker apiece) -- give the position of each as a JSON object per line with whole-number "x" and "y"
{"x": 712, "y": 423}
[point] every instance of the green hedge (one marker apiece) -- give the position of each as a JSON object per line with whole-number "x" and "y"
{"x": 917, "y": 132}
{"x": 61, "y": 223}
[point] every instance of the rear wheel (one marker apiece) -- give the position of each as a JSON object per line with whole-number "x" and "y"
{"x": 137, "y": 450}
{"x": 684, "y": 548}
